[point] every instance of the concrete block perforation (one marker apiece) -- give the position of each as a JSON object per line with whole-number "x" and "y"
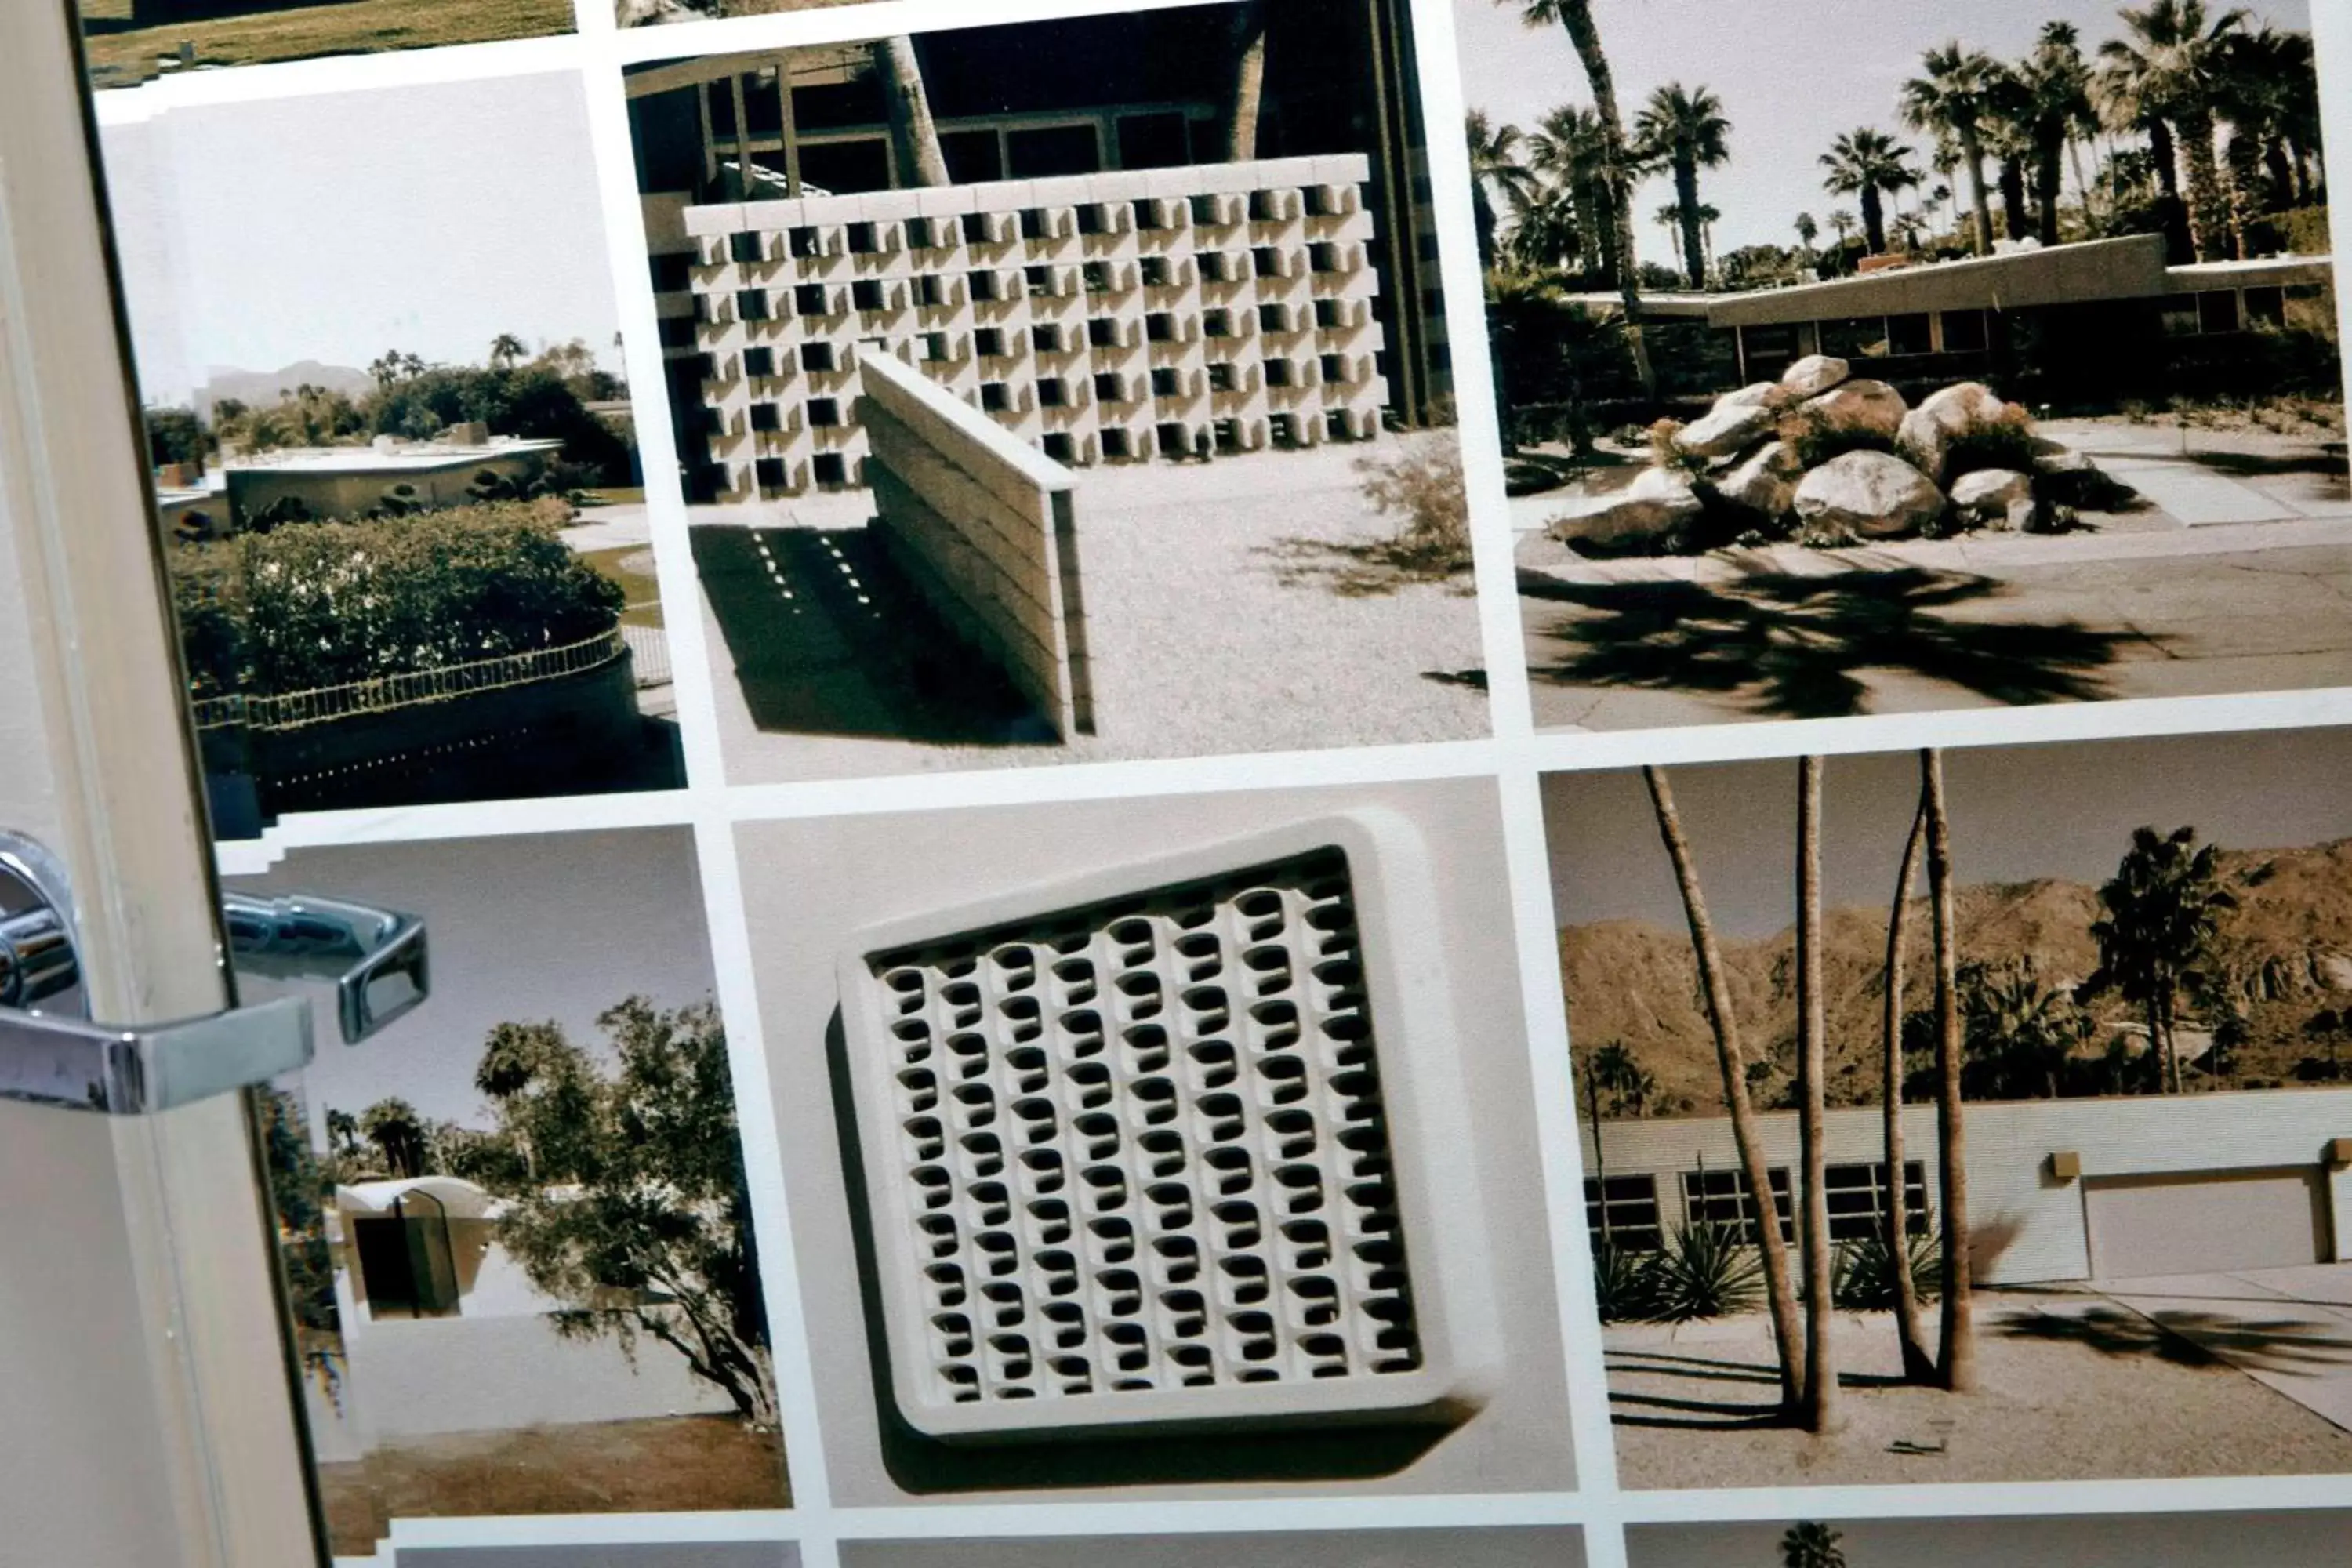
{"x": 1146, "y": 1146}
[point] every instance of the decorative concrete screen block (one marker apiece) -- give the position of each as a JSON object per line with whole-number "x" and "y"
{"x": 1174, "y": 1144}
{"x": 986, "y": 528}
{"x": 1102, "y": 318}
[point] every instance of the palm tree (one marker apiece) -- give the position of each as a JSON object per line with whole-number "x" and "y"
{"x": 1956, "y": 1356}
{"x": 1246, "y": 97}
{"x": 2257, "y": 92}
{"x": 398, "y": 1133}
{"x": 1950, "y": 95}
{"x": 1808, "y": 231}
{"x": 1714, "y": 985}
{"x": 1811, "y": 1545}
{"x": 2166, "y": 72}
{"x": 1843, "y": 222}
{"x": 505, "y": 350}
{"x": 1820, "y": 1408}
{"x": 2163, "y": 909}
{"x": 1871, "y": 164}
{"x": 342, "y": 1131}
{"x": 1616, "y": 1069}
{"x": 2054, "y": 101}
{"x": 913, "y": 133}
{"x": 1568, "y": 151}
{"x": 1686, "y": 130}
{"x": 1495, "y": 169}
{"x": 2008, "y": 141}
{"x": 1917, "y": 1365}
{"x": 1576, "y": 17}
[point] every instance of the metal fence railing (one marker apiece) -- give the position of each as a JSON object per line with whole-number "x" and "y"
{"x": 649, "y": 648}
{"x": 292, "y": 709}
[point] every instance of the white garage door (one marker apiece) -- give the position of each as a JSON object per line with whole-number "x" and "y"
{"x": 2197, "y": 1221}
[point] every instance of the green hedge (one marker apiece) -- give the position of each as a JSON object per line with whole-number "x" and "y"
{"x": 319, "y": 604}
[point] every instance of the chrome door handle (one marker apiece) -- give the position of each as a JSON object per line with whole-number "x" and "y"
{"x": 378, "y": 958}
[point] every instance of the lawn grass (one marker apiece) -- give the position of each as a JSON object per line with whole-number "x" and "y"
{"x": 120, "y": 54}
{"x": 632, "y": 566}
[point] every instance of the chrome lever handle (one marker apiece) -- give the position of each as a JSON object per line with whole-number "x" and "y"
{"x": 378, "y": 960}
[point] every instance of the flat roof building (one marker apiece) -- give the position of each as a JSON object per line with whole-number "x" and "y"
{"x": 465, "y": 463}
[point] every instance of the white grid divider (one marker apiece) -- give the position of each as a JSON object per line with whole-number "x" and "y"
{"x": 1516, "y": 758}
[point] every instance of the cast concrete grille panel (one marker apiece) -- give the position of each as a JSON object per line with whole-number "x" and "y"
{"x": 1101, "y": 318}
{"x": 1134, "y": 1159}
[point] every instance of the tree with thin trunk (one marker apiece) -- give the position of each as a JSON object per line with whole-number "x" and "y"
{"x": 2053, "y": 103}
{"x": 1917, "y": 1366}
{"x": 2163, "y": 909}
{"x": 1568, "y": 151}
{"x": 1956, "y": 1355}
{"x": 1952, "y": 94}
{"x": 1576, "y": 17}
{"x": 2170, "y": 66}
{"x": 1787, "y": 1335}
{"x": 913, "y": 133}
{"x": 1821, "y": 1413}
{"x": 1808, "y": 231}
{"x": 1686, "y": 130}
{"x": 1494, "y": 170}
{"x": 1246, "y": 94}
{"x": 1873, "y": 166}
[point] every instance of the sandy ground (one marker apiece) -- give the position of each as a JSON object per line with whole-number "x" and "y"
{"x": 2072, "y": 1387}
{"x": 1224, "y": 614}
{"x": 660, "y": 1466}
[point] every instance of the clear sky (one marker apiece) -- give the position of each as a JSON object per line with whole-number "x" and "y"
{"x": 2017, "y": 813}
{"x": 559, "y": 926}
{"x": 335, "y": 226}
{"x": 1792, "y": 74}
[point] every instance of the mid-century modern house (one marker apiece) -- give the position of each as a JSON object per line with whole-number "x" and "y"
{"x": 443, "y": 1332}
{"x": 455, "y": 467}
{"x": 1097, "y": 276}
{"x": 2058, "y": 1189}
{"x": 2098, "y": 317}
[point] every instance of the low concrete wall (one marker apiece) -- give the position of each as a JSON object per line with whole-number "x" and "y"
{"x": 2031, "y": 1227}
{"x": 986, "y": 528}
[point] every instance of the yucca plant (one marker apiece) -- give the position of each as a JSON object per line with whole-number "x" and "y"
{"x": 1864, "y": 1277}
{"x": 1625, "y": 1289}
{"x": 1704, "y": 1272}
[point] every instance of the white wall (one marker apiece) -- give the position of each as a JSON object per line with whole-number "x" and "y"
{"x": 2028, "y": 1225}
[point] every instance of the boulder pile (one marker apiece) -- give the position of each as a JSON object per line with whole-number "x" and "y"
{"x": 1830, "y": 457}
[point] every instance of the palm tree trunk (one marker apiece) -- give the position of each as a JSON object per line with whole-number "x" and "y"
{"x": 2081, "y": 184}
{"x": 1248, "y": 94}
{"x": 2049, "y": 176}
{"x": 1787, "y": 1335}
{"x": 1874, "y": 221}
{"x": 912, "y": 130}
{"x": 2171, "y": 1042}
{"x": 1972, "y": 154}
{"x": 2172, "y": 212}
{"x": 1917, "y": 1366}
{"x": 2013, "y": 198}
{"x": 1821, "y": 1393}
{"x": 1576, "y": 16}
{"x": 2209, "y": 211}
{"x": 1957, "y": 1350}
{"x": 2245, "y": 164}
{"x": 1596, "y": 231}
{"x": 1686, "y": 214}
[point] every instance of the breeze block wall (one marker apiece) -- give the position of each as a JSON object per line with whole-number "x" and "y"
{"x": 986, "y": 527}
{"x": 1101, "y": 318}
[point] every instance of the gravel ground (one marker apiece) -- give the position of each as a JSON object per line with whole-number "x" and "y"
{"x": 2072, "y": 1387}
{"x": 1224, "y": 614}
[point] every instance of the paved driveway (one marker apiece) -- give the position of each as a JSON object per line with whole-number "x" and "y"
{"x": 2289, "y": 1328}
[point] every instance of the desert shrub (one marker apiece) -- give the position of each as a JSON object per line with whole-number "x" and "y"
{"x": 320, "y": 604}
{"x": 1862, "y": 1277}
{"x": 1623, "y": 1287}
{"x": 1816, "y": 439}
{"x": 1419, "y": 482}
{"x": 1704, "y": 1272}
{"x": 2005, "y": 441}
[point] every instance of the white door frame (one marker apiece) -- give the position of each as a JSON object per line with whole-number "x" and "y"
{"x": 151, "y": 1407}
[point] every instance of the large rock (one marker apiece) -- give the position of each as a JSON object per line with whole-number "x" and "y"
{"x": 1871, "y": 406}
{"x": 1871, "y": 495}
{"x": 1762, "y": 394}
{"x": 1729, "y": 428}
{"x": 1994, "y": 498}
{"x": 1926, "y": 436}
{"x": 1815, "y": 375}
{"x": 1658, "y": 504}
{"x": 2057, "y": 457}
{"x": 1766, "y": 483}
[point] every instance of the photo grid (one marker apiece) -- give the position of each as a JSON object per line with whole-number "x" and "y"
{"x": 1170, "y": 819}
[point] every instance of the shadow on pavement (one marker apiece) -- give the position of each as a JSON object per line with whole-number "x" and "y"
{"x": 836, "y": 641}
{"x": 1794, "y": 645}
{"x": 2195, "y": 1338}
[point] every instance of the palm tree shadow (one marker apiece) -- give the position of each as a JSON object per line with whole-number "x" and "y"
{"x": 2191, "y": 1338}
{"x": 1792, "y": 646}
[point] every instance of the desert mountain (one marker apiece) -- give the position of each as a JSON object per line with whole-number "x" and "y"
{"x": 2287, "y": 950}
{"x": 265, "y": 388}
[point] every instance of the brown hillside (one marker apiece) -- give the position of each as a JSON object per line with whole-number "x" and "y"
{"x": 2288, "y": 948}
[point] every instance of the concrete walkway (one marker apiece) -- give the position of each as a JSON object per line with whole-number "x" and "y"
{"x": 2288, "y": 1328}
